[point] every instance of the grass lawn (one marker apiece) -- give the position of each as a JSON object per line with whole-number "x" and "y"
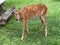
{"x": 10, "y": 34}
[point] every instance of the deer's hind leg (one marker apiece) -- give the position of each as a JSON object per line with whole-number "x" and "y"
{"x": 41, "y": 24}
{"x": 43, "y": 18}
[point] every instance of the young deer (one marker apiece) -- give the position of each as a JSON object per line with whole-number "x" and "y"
{"x": 30, "y": 11}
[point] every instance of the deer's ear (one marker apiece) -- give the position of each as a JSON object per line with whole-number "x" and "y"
{"x": 15, "y": 11}
{"x": 19, "y": 8}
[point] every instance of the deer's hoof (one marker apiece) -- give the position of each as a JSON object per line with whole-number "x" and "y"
{"x": 22, "y": 38}
{"x": 45, "y": 35}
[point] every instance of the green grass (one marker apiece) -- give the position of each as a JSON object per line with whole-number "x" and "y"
{"x": 10, "y": 34}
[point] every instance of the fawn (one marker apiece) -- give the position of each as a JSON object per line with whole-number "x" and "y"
{"x": 31, "y": 11}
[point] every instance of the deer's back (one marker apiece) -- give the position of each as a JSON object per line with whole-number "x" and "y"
{"x": 32, "y": 10}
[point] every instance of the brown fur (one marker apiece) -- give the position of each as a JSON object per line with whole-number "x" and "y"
{"x": 30, "y": 11}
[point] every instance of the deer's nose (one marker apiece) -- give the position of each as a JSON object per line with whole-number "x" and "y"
{"x": 17, "y": 20}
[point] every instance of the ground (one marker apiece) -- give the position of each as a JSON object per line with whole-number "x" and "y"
{"x": 10, "y": 34}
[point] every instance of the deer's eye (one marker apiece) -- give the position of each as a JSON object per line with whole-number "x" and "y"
{"x": 16, "y": 14}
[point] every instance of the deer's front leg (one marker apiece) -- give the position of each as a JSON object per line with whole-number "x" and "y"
{"x": 23, "y": 28}
{"x": 27, "y": 27}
